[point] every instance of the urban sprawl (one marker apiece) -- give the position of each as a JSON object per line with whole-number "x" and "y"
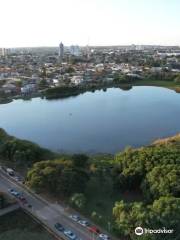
{"x": 28, "y": 72}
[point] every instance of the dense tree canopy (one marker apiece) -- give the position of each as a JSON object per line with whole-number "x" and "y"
{"x": 58, "y": 176}
{"x": 163, "y": 180}
{"x": 21, "y": 152}
{"x": 153, "y": 170}
{"x": 156, "y": 171}
{"x": 164, "y": 212}
{"x": 80, "y": 160}
{"x": 129, "y": 216}
{"x": 132, "y": 165}
{"x": 78, "y": 200}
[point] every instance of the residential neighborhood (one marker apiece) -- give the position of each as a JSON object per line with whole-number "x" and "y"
{"x": 29, "y": 71}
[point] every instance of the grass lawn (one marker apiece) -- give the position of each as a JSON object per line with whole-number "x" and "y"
{"x": 19, "y": 226}
{"x": 159, "y": 83}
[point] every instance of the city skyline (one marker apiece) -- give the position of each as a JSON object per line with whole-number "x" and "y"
{"x": 95, "y": 23}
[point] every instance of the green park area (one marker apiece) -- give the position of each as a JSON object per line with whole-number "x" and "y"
{"x": 135, "y": 187}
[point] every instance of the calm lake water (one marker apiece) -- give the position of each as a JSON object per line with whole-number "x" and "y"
{"x": 95, "y": 122}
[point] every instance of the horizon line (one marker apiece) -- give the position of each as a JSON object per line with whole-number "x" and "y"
{"x": 116, "y": 45}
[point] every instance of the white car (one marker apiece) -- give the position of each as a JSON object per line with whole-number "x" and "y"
{"x": 14, "y": 193}
{"x": 70, "y": 234}
{"x": 76, "y": 218}
{"x": 17, "y": 178}
{"x": 83, "y": 223}
{"x": 104, "y": 236}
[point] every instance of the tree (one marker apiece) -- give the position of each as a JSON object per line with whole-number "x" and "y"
{"x": 78, "y": 200}
{"x": 80, "y": 160}
{"x": 70, "y": 70}
{"x": 43, "y": 84}
{"x": 177, "y": 79}
{"x": 58, "y": 176}
{"x": 22, "y": 152}
{"x": 72, "y": 180}
{"x": 120, "y": 78}
{"x": 132, "y": 165}
{"x": 128, "y": 216}
{"x": 163, "y": 180}
{"x": 164, "y": 212}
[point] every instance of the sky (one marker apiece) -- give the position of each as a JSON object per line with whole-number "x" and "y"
{"x": 29, "y": 23}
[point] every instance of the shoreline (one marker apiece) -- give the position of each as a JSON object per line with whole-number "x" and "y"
{"x": 70, "y": 91}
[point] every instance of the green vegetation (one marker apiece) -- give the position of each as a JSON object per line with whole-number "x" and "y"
{"x": 78, "y": 200}
{"x": 164, "y": 212}
{"x": 155, "y": 170}
{"x": 125, "y": 82}
{"x": 62, "y": 92}
{"x": 5, "y": 200}
{"x": 164, "y": 79}
{"x": 123, "y": 78}
{"x": 15, "y": 152}
{"x": 63, "y": 177}
{"x": 136, "y": 187}
{"x": 101, "y": 194}
{"x": 5, "y": 100}
{"x": 158, "y": 83}
{"x": 84, "y": 182}
{"x": 162, "y": 180}
{"x": 120, "y": 81}
{"x": 70, "y": 70}
{"x": 19, "y": 226}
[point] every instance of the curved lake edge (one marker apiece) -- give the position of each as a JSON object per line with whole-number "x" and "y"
{"x": 5, "y": 136}
{"x": 59, "y": 92}
{"x": 84, "y": 123}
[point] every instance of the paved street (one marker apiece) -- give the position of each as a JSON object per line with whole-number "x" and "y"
{"x": 46, "y": 212}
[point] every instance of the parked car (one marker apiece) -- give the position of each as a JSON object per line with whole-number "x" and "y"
{"x": 94, "y": 229}
{"x": 70, "y": 234}
{"x": 14, "y": 192}
{"x": 23, "y": 199}
{"x": 104, "y": 236}
{"x": 76, "y": 218}
{"x": 17, "y": 178}
{"x": 83, "y": 223}
{"x": 10, "y": 172}
{"x": 11, "y": 190}
{"x": 59, "y": 227}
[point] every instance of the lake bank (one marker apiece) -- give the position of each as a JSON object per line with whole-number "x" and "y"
{"x": 95, "y": 122}
{"x": 70, "y": 91}
{"x": 103, "y": 177}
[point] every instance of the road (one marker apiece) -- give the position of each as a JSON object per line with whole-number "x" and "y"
{"x": 46, "y": 212}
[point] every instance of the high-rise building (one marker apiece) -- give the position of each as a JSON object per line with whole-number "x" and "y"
{"x": 75, "y": 50}
{"x": 61, "y": 51}
{"x": 3, "y": 52}
{"x": 87, "y": 52}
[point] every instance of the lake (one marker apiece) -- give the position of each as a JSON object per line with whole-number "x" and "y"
{"x": 99, "y": 122}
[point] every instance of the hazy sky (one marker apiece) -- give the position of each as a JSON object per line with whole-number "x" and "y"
{"x": 97, "y": 22}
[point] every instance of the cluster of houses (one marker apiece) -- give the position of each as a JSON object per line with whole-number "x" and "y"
{"x": 22, "y": 74}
